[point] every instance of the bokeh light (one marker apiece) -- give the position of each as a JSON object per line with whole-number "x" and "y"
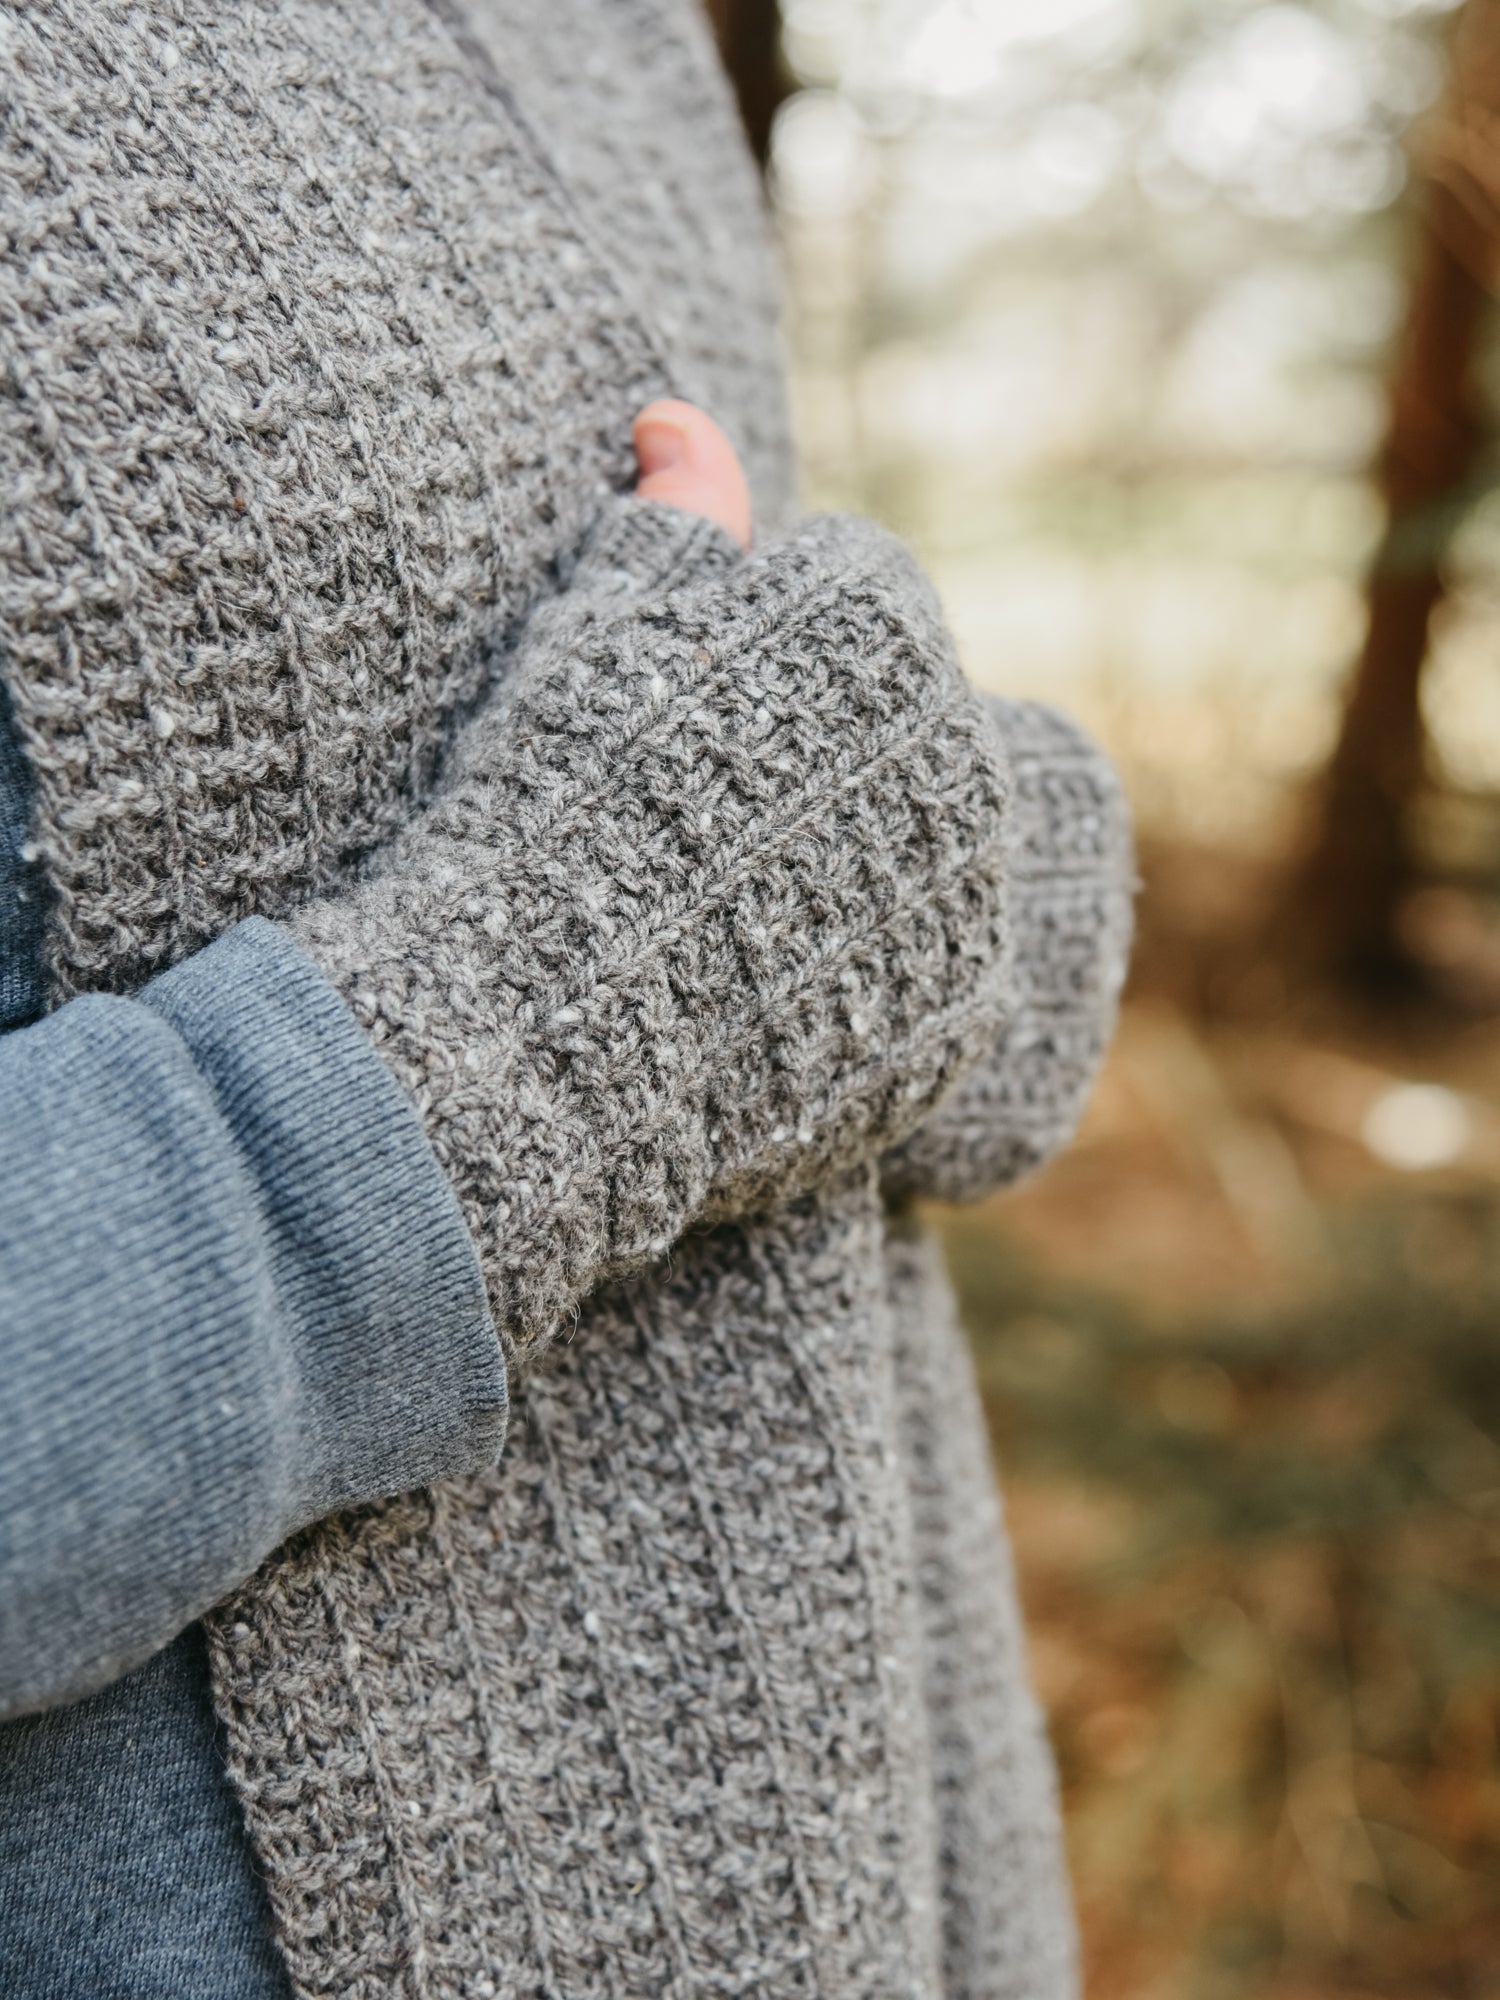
{"x": 1099, "y": 302}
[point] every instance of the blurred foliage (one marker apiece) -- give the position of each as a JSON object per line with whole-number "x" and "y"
{"x": 1097, "y": 302}
{"x": 1261, "y": 1553}
{"x": 1239, "y": 1351}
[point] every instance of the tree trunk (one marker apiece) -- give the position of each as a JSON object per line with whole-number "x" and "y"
{"x": 749, "y": 37}
{"x": 1360, "y": 863}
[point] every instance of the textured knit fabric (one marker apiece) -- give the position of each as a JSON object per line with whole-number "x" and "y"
{"x": 311, "y": 379}
{"x": 237, "y": 1293}
{"x": 711, "y": 1686}
{"x": 701, "y": 1762}
{"x": 709, "y": 904}
{"x": 637, "y": 121}
{"x": 1070, "y": 927}
{"x": 762, "y": 1725}
{"x": 986, "y": 1736}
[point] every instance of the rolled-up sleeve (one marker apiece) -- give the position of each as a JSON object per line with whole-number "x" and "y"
{"x": 236, "y": 1293}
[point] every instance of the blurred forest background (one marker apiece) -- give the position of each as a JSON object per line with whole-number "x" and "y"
{"x": 1164, "y": 328}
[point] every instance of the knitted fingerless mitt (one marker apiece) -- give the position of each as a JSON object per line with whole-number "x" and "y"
{"x": 709, "y": 899}
{"x": 1070, "y": 883}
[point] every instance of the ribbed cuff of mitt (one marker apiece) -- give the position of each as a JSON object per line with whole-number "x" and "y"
{"x": 642, "y": 547}
{"x": 1072, "y": 881}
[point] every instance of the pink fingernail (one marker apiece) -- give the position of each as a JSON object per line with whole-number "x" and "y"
{"x": 659, "y": 446}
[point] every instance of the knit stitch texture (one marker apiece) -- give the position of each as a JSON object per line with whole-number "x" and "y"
{"x": 1068, "y": 896}
{"x": 312, "y": 378}
{"x": 318, "y": 365}
{"x": 709, "y": 902}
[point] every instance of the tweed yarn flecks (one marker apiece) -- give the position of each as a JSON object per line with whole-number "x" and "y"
{"x": 709, "y": 905}
{"x": 312, "y": 378}
{"x": 1070, "y": 884}
{"x": 317, "y": 368}
{"x": 639, "y": 119}
{"x": 994, "y": 1794}
{"x": 655, "y": 1682}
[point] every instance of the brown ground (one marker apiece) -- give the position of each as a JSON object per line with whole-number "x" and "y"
{"x": 1244, "y": 1377}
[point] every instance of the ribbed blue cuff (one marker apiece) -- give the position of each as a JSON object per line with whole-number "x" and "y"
{"x": 400, "y": 1366}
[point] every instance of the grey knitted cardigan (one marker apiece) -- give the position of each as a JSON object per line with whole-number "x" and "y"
{"x": 701, "y": 911}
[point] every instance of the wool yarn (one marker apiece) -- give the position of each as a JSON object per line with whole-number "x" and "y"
{"x": 319, "y": 354}
{"x": 708, "y": 906}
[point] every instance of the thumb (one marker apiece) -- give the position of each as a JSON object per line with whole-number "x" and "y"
{"x": 686, "y": 461}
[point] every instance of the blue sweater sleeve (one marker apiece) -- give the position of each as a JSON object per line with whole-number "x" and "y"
{"x": 236, "y": 1293}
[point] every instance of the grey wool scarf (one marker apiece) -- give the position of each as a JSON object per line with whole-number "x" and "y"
{"x": 704, "y": 913}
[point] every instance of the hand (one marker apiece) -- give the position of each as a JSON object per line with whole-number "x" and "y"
{"x": 709, "y": 903}
{"x": 686, "y": 461}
